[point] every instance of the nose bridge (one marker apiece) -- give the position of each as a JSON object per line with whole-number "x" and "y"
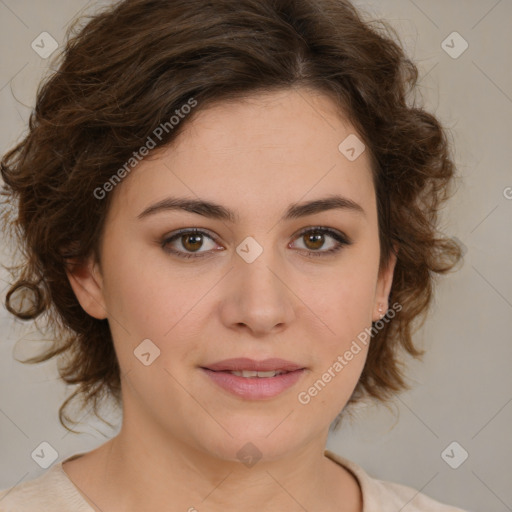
{"x": 257, "y": 267}
{"x": 260, "y": 298}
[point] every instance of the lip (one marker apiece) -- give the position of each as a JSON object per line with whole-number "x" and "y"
{"x": 244, "y": 363}
{"x": 254, "y": 388}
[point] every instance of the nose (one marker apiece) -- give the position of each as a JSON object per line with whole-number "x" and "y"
{"x": 258, "y": 297}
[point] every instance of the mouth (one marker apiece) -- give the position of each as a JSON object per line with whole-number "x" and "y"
{"x": 254, "y": 380}
{"x": 244, "y": 364}
{"x": 249, "y": 374}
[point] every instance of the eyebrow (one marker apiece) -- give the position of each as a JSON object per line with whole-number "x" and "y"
{"x": 216, "y": 211}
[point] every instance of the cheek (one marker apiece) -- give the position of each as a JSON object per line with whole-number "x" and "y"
{"x": 346, "y": 299}
{"x": 137, "y": 298}
{"x": 137, "y": 281}
{"x": 340, "y": 353}
{"x": 149, "y": 296}
{"x": 345, "y": 306}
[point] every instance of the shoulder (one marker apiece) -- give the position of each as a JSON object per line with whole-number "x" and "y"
{"x": 50, "y": 491}
{"x": 398, "y": 496}
{"x": 384, "y": 496}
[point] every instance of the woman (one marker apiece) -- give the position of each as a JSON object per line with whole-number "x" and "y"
{"x": 229, "y": 215}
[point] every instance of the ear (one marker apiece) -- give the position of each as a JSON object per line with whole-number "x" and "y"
{"x": 87, "y": 283}
{"x": 383, "y": 288}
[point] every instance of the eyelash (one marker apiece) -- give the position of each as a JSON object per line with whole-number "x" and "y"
{"x": 341, "y": 240}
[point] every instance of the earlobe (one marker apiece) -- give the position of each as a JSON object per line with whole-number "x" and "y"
{"x": 87, "y": 284}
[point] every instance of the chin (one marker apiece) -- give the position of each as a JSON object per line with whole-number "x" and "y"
{"x": 249, "y": 441}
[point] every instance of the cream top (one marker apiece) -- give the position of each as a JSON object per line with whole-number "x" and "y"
{"x": 54, "y": 490}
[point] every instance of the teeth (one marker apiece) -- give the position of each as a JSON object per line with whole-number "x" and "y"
{"x": 250, "y": 373}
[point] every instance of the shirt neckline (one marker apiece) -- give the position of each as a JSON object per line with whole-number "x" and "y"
{"x": 356, "y": 470}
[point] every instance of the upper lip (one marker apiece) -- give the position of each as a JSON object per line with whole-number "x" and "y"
{"x": 244, "y": 363}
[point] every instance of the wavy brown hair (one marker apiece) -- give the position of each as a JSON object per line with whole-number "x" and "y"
{"x": 128, "y": 68}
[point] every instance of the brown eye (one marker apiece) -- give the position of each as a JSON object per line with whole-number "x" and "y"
{"x": 192, "y": 242}
{"x": 317, "y": 238}
{"x": 187, "y": 243}
{"x": 314, "y": 240}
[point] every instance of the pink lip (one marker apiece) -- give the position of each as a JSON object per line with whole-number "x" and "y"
{"x": 254, "y": 388}
{"x": 244, "y": 363}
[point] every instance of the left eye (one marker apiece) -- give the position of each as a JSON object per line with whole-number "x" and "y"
{"x": 316, "y": 237}
{"x": 192, "y": 240}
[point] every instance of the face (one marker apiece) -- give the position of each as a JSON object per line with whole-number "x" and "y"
{"x": 259, "y": 283}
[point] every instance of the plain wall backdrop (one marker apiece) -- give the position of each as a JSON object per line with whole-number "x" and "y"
{"x": 462, "y": 391}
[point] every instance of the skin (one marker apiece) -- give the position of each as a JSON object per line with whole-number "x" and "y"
{"x": 180, "y": 432}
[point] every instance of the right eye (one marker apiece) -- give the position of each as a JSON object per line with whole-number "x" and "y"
{"x": 190, "y": 239}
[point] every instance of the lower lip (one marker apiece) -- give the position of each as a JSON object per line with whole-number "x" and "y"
{"x": 254, "y": 388}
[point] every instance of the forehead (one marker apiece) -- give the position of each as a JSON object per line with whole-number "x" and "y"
{"x": 254, "y": 155}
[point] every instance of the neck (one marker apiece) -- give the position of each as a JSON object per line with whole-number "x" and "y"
{"x": 146, "y": 473}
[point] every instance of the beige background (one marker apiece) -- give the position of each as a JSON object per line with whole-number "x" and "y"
{"x": 463, "y": 390}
